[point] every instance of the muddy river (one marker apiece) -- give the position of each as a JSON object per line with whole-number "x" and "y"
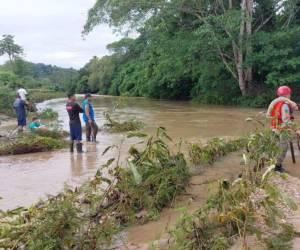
{"x": 27, "y": 178}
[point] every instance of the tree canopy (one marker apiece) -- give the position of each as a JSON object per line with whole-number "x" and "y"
{"x": 226, "y": 52}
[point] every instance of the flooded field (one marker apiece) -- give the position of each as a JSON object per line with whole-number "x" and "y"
{"x": 27, "y": 178}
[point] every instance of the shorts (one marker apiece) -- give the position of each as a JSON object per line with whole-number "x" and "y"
{"x": 75, "y": 132}
{"x": 22, "y": 122}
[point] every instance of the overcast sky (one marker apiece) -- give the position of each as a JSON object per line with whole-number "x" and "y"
{"x": 50, "y": 31}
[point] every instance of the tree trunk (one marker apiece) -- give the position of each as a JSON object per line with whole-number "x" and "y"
{"x": 248, "y": 20}
{"x": 238, "y": 52}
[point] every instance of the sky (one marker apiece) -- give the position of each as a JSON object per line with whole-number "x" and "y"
{"x": 50, "y": 31}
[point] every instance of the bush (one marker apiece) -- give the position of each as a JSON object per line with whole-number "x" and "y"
{"x": 114, "y": 126}
{"x": 89, "y": 216}
{"x": 48, "y": 114}
{"x": 30, "y": 143}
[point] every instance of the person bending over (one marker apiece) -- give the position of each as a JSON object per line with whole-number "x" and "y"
{"x": 36, "y": 124}
{"x": 74, "y": 110}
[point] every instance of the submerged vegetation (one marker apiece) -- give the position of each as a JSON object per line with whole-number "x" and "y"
{"x": 88, "y": 217}
{"x": 115, "y": 126}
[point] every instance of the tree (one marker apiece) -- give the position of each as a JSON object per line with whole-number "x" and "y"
{"x": 228, "y": 26}
{"x": 8, "y": 47}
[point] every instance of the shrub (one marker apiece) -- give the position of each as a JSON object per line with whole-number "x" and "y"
{"x": 48, "y": 113}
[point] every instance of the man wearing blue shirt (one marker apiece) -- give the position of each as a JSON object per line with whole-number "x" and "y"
{"x": 89, "y": 118}
{"x": 20, "y": 109}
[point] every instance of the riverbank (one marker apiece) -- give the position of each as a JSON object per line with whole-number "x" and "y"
{"x": 7, "y": 98}
{"x": 194, "y": 198}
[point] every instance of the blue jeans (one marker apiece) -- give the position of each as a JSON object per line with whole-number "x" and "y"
{"x": 75, "y": 132}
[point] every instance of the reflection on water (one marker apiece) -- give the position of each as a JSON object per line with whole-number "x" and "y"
{"x": 26, "y": 178}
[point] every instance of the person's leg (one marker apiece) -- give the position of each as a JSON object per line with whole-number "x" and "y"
{"x": 283, "y": 145}
{"x": 72, "y": 138}
{"x": 88, "y": 131}
{"x": 95, "y": 131}
{"x": 79, "y": 138}
{"x": 21, "y": 124}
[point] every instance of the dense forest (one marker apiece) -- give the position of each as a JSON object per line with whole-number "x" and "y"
{"x": 219, "y": 52}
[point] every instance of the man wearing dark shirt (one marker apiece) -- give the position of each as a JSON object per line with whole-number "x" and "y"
{"x": 74, "y": 110}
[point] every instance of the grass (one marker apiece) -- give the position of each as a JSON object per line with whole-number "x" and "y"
{"x": 48, "y": 114}
{"x": 114, "y": 126}
{"x": 89, "y": 216}
{"x": 55, "y": 134}
{"x": 7, "y": 97}
{"x": 30, "y": 143}
{"x": 214, "y": 149}
{"x": 247, "y": 206}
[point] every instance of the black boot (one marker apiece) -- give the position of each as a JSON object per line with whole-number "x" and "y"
{"x": 88, "y": 138}
{"x": 71, "y": 147}
{"x": 278, "y": 168}
{"x": 79, "y": 148}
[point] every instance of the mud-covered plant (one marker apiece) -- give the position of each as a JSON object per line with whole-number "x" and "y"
{"x": 30, "y": 143}
{"x": 115, "y": 126}
{"x": 248, "y": 206}
{"x": 56, "y": 134}
{"x": 153, "y": 178}
{"x": 89, "y": 217}
{"x": 213, "y": 149}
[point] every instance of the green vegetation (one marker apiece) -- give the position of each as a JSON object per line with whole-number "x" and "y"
{"x": 214, "y": 149}
{"x": 48, "y": 113}
{"x": 248, "y": 206}
{"x": 88, "y": 217}
{"x": 219, "y": 52}
{"x": 55, "y": 134}
{"x": 114, "y": 126}
{"x": 29, "y": 143}
{"x": 42, "y": 81}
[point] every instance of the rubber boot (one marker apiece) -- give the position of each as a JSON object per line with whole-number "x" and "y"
{"x": 279, "y": 169}
{"x": 79, "y": 148}
{"x": 72, "y": 147}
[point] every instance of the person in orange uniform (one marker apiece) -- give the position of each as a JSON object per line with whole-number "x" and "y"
{"x": 281, "y": 113}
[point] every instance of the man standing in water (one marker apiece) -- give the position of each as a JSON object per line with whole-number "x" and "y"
{"x": 20, "y": 109}
{"x": 74, "y": 109}
{"x": 89, "y": 118}
{"x": 281, "y": 113}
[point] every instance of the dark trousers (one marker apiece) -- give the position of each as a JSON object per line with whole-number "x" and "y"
{"x": 91, "y": 131}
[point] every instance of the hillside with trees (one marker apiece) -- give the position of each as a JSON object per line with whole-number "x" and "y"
{"x": 43, "y": 81}
{"x": 219, "y": 52}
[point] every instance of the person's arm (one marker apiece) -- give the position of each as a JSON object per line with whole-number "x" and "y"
{"x": 78, "y": 108}
{"x": 87, "y": 112}
{"x": 286, "y": 115}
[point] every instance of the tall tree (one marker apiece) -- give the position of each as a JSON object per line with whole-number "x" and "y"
{"x": 10, "y": 48}
{"x": 227, "y": 26}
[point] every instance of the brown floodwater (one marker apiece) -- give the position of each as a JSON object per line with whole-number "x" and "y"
{"x": 27, "y": 178}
